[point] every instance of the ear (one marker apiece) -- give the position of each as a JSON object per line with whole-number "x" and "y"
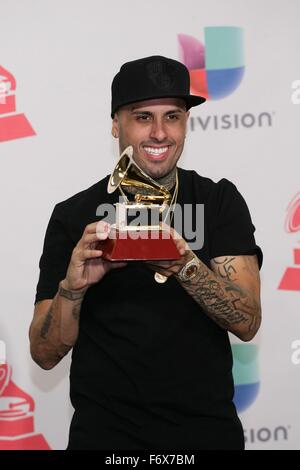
{"x": 115, "y": 127}
{"x": 186, "y": 122}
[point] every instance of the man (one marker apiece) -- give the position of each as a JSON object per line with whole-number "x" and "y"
{"x": 151, "y": 362}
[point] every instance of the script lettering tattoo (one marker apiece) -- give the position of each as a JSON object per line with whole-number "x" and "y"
{"x": 225, "y": 302}
{"x": 47, "y": 323}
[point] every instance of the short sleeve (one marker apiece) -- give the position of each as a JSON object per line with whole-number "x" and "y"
{"x": 55, "y": 258}
{"x": 232, "y": 230}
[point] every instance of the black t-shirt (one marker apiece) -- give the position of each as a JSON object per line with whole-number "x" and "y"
{"x": 149, "y": 369}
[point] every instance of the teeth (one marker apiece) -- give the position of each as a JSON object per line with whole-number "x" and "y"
{"x": 155, "y": 151}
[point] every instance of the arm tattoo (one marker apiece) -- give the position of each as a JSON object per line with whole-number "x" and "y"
{"x": 71, "y": 295}
{"x": 225, "y": 302}
{"x": 76, "y": 311}
{"x": 47, "y": 323}
{"x": 225, "y": 268}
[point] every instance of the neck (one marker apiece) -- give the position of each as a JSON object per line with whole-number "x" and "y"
{"x": 169, "y": 180}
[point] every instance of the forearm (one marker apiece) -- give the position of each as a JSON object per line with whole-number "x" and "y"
{"x": 54, "y": 333}
{"x": 227, "y": 304}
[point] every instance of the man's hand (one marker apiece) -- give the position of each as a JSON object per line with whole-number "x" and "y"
{"x": 55, "y": 325}
{"x": 86, "y": 266}
{"x": 229, "y": 293}
{"x": 169, "y": 268}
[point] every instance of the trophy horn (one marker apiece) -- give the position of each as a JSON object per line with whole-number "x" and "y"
{"x": 128, "y": 173}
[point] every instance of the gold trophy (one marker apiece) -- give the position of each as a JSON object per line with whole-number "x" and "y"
{"x": 141, "y": 238}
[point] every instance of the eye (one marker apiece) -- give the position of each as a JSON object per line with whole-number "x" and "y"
{"x": 143, "y": 117}
{"x": 172, "y": 117}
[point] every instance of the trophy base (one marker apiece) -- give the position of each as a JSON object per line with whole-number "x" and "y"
{"x": 139, "y": 245}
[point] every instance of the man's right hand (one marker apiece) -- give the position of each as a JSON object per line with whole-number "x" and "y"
{"x": 86, "y": 266}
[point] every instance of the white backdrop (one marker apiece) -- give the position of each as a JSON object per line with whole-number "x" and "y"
{"x": 63, "y": 55}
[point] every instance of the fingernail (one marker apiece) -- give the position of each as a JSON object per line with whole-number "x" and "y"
{"x": 101, "y": 235}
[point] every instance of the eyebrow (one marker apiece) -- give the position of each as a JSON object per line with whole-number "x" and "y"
{"x": 149, "y": 113}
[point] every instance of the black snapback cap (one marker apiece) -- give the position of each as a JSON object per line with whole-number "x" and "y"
{"x": 149, "y": 78}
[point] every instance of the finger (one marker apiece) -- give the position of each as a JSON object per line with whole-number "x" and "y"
{"x": 165, "y": 226}
{"x": 180, "y": 243}
{"x": 181, "y": 246}
{"x": 103, "y": 227}
{"x": 171, "y": 230}
{"x": 99, "y": 226}
{"x": 92, "y": 246}
{"x": 176, "y": 235}
{"x": 90, "y": 239}
{"x": 90, "y": 228}
{"x": 88, "y": 254}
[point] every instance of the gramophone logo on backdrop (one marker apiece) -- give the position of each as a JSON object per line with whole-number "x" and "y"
{"x": 291, "y": 277}
{"x": 216, "y": 68}
{"x": 16, "y": 417}
{"x": 12, "y": 124}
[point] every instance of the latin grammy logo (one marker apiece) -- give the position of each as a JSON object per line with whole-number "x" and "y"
{"x": 16, "y": 417}
{"x": 12, "y": 124}
{"x": 291, "y": 277}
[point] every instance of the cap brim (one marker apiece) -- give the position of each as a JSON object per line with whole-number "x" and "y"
{"x": 191, "y": 101}
{"x": 194, "y": 100}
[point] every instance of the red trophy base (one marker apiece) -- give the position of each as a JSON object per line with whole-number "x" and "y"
{"x": 139, "y": 245}
{"x": 291, "y": 277}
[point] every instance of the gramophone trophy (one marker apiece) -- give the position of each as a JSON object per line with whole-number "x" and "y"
{"x": 142, "y": 237}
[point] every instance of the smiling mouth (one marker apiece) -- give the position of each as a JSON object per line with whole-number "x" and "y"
{"x": 156, "y": 153}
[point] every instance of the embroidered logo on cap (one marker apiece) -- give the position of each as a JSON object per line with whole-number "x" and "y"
{"x": 161, "y": 74}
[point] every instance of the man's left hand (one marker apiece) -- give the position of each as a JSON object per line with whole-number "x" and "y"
{"x": 170, "y": 267}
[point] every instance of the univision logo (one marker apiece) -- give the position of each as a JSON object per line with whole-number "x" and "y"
{"x": 216, "y": 68}
{"x": 266, "y": 434}
{"x": 245, "y": 374}
{"x": 231, "y": 121}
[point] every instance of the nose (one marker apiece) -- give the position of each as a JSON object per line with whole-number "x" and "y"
{"x": 158, "y": 130}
